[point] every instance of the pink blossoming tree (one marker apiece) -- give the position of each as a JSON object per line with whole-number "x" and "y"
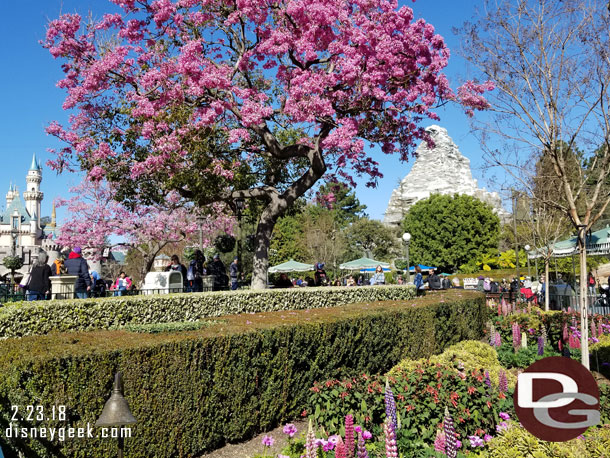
{"x": 246, "y": 99}
{"x": 94, "y": 215}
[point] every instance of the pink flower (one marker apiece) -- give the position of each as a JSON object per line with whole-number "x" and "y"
{"x": 268, "y": 441}
{"x": 290, "y": 429}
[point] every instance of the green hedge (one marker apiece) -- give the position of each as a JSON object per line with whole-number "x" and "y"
{"x": 192, "y": 391}
{"x": 42, "y": 317}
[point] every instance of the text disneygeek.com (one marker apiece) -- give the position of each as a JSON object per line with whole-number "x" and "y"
{"x": 62, "y": 433}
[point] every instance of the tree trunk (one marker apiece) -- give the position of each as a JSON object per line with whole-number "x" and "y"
{"x": 584, "y": 312}
{"x": 260, "y": 263}
{"x": 546, "y": 284}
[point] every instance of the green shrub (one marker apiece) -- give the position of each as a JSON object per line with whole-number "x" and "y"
{"x": 600, "y": 355}
{"x": 167, "y": 327}
{"x": 42, "y": 317}
{"x": 516, "y": 442}
{"x": 524, "y": 357}
{"x": 472, "y": 354}
{"x": 193, "y": 391}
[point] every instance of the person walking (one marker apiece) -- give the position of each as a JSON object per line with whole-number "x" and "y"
{"x": 218, "y": 269}
{"x": 418, "y": 281}
{"x": 234, "y": 273}
{"x": 39, "y": 284}
{"x": 195, "y": 273}
{"x": 76, "y": 265}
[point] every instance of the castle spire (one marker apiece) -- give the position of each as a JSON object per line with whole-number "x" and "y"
{"x": 53, "y": 216}
{"x": 34, "y": 165}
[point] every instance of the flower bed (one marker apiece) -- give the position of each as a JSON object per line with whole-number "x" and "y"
{"x": 41, "y": 317}
{"x": 191, "y": 391}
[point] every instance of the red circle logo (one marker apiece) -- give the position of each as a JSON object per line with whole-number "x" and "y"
{"x": 556, "y": 399}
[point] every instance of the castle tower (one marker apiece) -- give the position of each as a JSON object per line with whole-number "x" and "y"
{"x": 10, "y": 195}
{"x": 32, "y": 195}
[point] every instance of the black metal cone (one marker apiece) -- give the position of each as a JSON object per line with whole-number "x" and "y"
{"x": 116, "y": 412}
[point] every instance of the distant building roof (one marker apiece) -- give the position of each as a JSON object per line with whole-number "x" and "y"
{"x": 118, "y": 256}
{"x": 16, "y": 204}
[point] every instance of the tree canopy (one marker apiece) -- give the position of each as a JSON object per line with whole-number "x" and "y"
{"x": 448, "y": 231}
{"x": 253, "y": 99}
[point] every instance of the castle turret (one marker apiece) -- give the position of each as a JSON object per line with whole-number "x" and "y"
{"x": 32, "y": 195}
{"x": 10, "y": 195}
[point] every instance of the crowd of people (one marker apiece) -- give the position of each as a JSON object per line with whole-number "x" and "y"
{"x": 89, "y": 283}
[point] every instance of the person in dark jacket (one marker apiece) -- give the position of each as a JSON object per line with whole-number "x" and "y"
{"x": 40, "y": 283}
{"x": 234, "y": 273}
{"x": 218, "y": 269}
{"x": 434, "y": 281}
{"x": 76, "y": 265}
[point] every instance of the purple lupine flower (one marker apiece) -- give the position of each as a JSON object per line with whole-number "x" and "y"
{"x": 487, "y": 379}
{"x": 540, "y": 346}
{"x": 593, "y": 329}
{"x": 504, "y": 416}
{"x": 362, "y": 453}
{"x": 311, "y": 448}
{"x": 502, "y": 382}
{"x": 516, "y": 336}
{"x": 498, "y": 340}
{"x": 450, "y": 437}
{"x": 349, "y": 435}
{"x": 565, "y": 332}
{"x": 600, "y": 329}
{"x": 391, "y": 451}
{"x": 492, "y": 338}
{"x": 390, "y": 404}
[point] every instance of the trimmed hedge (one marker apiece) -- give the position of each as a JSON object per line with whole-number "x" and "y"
{"x": 192, "y": 391}
{"x": 41, "y": 317}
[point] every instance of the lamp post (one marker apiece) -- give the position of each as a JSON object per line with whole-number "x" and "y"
{"x": 240, "y": 204}
{"x": 200, "y": 221}
{"x": 527, "y": 255}
{"x": 14, "y": 235}
{"x": 407, "y": 239}
{"x": 116, "y": 412}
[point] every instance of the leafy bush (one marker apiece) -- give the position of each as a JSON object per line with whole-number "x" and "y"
{"x": 471, "y": 354}
{"x": 192, "y": 391}
{"x": 167, "y": 327}
{"x": 524, "y": 357}
{"x": 516, "y": 442}
{"x": 42, "y": 317}
{"x": 421, "y": 397}
{"x": 600, "y": 355}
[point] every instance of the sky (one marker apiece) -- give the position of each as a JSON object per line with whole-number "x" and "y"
{"x": 31, "y": 100}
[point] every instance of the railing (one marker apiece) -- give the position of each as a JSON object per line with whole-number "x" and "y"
{"x": 10, "y": 293}
{"x": 596, "y": 303}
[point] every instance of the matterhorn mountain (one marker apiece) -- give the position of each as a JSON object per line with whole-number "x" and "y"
{"x": 438, "y": 170}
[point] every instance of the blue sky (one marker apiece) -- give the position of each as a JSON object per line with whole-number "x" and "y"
{"x": 31, "y": 100}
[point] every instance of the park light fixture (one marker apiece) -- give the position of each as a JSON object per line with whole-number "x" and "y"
{"x": 116, "y": 412}
{"x": 407, "y": 238}
{"x": 527, "y": 256}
